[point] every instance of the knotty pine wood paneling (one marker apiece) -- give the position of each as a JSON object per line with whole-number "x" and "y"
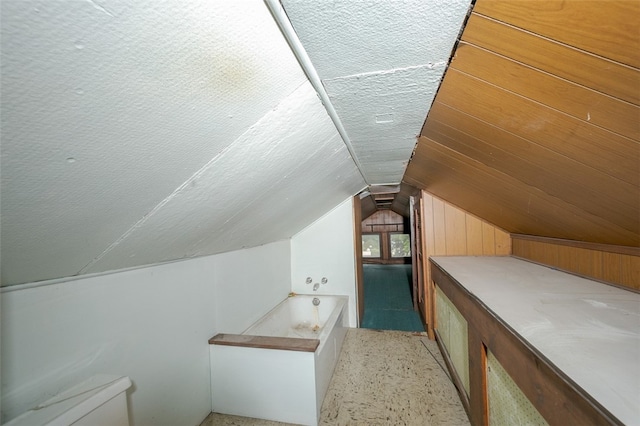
{"x": 617, "y": 265}
{"x": 536, "y": 126}
{"x": 449, "y": 230}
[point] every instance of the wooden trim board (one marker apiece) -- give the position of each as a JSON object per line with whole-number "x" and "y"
{"x": 265, "y": 342}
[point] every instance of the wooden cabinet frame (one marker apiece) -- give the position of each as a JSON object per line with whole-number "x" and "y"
{"x": 558, "y": 399}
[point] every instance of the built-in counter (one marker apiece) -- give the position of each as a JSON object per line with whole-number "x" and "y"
{"x": 535, "y": 344}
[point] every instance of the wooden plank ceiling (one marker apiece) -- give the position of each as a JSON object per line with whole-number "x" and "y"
{"x": 536, "y": 126}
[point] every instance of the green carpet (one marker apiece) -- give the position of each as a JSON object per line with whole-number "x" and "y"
{"x": 387, "y": 299}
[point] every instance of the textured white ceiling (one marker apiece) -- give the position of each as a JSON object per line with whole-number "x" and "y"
{"x": 137, "y": 132}
{"x": 381, "y": 63}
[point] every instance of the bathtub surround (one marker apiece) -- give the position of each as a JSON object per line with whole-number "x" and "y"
{"x": 382, "y": 378}
{"x": 151, "y": 324}
{"x": 281, "y": 366}
{"x": 154, "y": 319}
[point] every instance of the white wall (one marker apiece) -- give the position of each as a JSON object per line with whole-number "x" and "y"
{"x": 326, "y": 249}
{"x": 151, "y": 324}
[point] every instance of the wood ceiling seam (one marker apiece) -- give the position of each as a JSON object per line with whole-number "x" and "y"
{"x": 503, "y": 200}
{"x": 481, "y": 200}
{"x": 609, "y": 248}
{"x": 598, "y": 149}
{"x": 594, "y": 71}
{"x": 490, "y": 210}
{"x": 554, "y": 41}
{"x": 514, "y": 222}
{"x": 619, "y": 182}
{"x": 603, "y": 110}
{"x": 620, "y": 188}
{"x": 519, "y": 95}
{"x": 602, "y": 28}
{"x": 578, "y": 194}
{"x": 478, "y": 165}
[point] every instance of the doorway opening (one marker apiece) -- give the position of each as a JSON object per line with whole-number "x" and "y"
{"x": 388, "y": 293}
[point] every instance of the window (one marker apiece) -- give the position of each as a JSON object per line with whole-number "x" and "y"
{"x": 400, "y": 245}
{"x": 370, "y": 245}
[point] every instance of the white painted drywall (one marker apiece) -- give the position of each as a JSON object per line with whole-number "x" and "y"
{"x": 326, "y": 249}
{"x": 151, "y": 324}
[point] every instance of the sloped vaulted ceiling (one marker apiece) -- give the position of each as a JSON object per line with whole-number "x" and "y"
{"x": 381, "y": 63}
{"x": 138, "y": 132}
{"x": 536, "y": 127}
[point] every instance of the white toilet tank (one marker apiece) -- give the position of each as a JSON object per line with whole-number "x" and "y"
{"x": 98, "y": 401}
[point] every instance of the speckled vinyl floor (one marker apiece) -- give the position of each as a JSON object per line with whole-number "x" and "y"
{"x": 383, "y": 378}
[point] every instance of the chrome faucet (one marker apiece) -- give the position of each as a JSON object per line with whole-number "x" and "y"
{"x": 315, "y": 286}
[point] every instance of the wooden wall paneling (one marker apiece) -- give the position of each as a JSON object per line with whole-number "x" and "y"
{"x": 589, "y": 263}
{"x": 439, "y": 224}
{"x": 553, "y": 57}
{"x": 449, "y": 230}
{"x": 455, "y": 231}
{"x": 383, "y": 221}
{"x": 542, "y": 167}
{"x": 474, "y": 236}
{"x": 428, "y": 210}
{"x": 596, "y": 261}
{"x": 578, "y": 101}
{"x": 545, "y": 253}
{"x": 591, "y": 145}
{"x": 503, "y": 242}
{"x": 566, "y": 257}
{"x": 531, "y": 211}
{"x": 611, "y": 267}
{"x": 573, "y": 23}
{"x": 630, "y": 271}
{"x": 521, "y": 247}
{"x": 488, "y": 239}
{"x": 629, "y": 250}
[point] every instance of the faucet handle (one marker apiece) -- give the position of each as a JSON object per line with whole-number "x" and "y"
{"x": 308, "y": 280}
{"x": 324, "y": 280}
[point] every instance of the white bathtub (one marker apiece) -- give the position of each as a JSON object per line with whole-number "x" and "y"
{"x": 283, "y": 379}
